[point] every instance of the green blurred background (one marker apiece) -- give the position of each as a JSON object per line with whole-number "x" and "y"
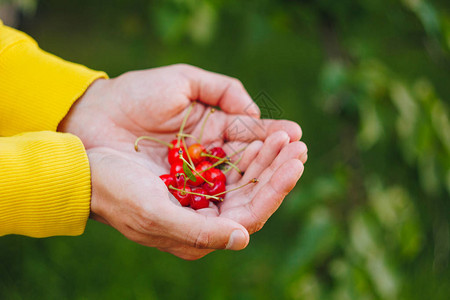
{"x": 368, "y": 81}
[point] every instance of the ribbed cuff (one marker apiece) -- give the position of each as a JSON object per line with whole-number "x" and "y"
{"x": 44, "y": 185}
{"x": 37, "y": 89}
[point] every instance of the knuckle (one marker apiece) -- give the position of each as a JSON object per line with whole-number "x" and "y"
{"x": 257, "y": 227}
{"x": 145, "y": 225}
{"x": 236, "y": 82}
{"x": 199, "y": 238}
{"x": 202, "y": 240}
{"x": 182, "y": 67}
{"x": 257, "y": 222}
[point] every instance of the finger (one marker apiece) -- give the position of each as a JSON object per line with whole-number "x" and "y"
{"x": 291, "y": 151}
{"x": 205, "y": 232}
{"x": 219, "y": 90}
{"x": 247, "y": 157}
{"x": 243, "y": 196}
{"x": 269, "y": 151}
{"x": 246, "y": 129}
{"x": 270, "y": 196}
{"x": 304, "y": 157}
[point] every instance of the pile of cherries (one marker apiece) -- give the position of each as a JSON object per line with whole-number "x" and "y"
{"x": 209, "y": 180}
{"x": 196, "y": 178}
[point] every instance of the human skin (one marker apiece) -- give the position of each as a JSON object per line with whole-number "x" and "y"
{"x": 127, "y": 193}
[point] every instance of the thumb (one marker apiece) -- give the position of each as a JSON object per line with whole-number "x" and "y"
{"x": 206, "y": 232}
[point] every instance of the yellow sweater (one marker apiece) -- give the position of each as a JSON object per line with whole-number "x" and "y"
{"x": 44, "y": 175}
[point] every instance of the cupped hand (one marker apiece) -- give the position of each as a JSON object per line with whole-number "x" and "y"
{"x": 113, "y": 113}
{"x": 132, "y": 199}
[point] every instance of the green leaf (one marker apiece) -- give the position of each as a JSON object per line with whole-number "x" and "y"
{"x": 188, "y": 172}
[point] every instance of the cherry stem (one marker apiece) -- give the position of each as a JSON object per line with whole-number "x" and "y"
{"x": 188, "y": 135}
{"x": 221, "y": 161}
{"x": 235, "y": 163}
{"x": 210, "y": 155}
{"x": 238, "y": 151}
{"x": 195, "y": 171}
{"x": 194, "y": 193}
{"x": 212, "y": 110}
{"x": 184, "y": 122}
{"x": 254, "y": 180}
{"x": 187, "y": 152}
{"x": 225, "y": 160}
{"x": 151, "y": 139}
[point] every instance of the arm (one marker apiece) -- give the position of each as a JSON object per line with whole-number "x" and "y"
{"x": 37, "y": 89}
{"x": 44, "y": 185}
{"x": 44, "y": 176}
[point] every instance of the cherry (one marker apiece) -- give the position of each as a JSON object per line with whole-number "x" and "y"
{"x": 214, "y": 174}
{"x": 204, "y": 165}
{"x": 200, "y": 168}
{"x": 180, "y": 178}
{"x": 199, "y": 180}
{"x": 168, "y": 179}
{"x": 174, "y": 155}
{"x": 176, "y": 167}
{"x": 218, "y": 187}
{"x": 218, "y": 152}
{"x": 197, "y": 201}
{"x": 210, "y": 182}
{"x": 175, "y": 142}
{"x": 183, "y": 196}
{"x": 195, "y": 152}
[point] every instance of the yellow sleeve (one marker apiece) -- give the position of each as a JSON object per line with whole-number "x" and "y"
{"x": 37, "y": 89}
{"x": 44, "y": 176}
{"x": 44, "y": 184}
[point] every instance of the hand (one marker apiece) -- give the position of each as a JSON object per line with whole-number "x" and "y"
{"x": 120, "y": 198}
{"x": 113, "y": 113}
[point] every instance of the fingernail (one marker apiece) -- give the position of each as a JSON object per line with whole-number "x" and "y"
{"x": 254, "y": 110}
{"x": 237, "y": 240}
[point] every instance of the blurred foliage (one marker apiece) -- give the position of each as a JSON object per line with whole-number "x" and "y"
{"x": 25, "y": 6}
{"x": 369, "y": 83}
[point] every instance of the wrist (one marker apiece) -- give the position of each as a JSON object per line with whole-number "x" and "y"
{"x": 71, "y": 121}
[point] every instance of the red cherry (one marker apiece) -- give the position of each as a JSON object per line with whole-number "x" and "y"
{"x": 174, "y": 155}
{"x": 182, "y": 197}
{"x": 200, "y": 168}
{"x": 218, "y": 187}
{"x": 174, "y": 143}
{"x": 198, "y": 201}
{"x": 198, "y": 180}
{"x": 199, "y": 190}
{"x": 179, "y": 180}
{"x": 216, "y": 151}
{"x": 168, "y": 179}
{"x": 195, "y": 152}
{"x": 176, "y": 167}
{"x": 214, "y": 175}
{"x": 203, "y": 166}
